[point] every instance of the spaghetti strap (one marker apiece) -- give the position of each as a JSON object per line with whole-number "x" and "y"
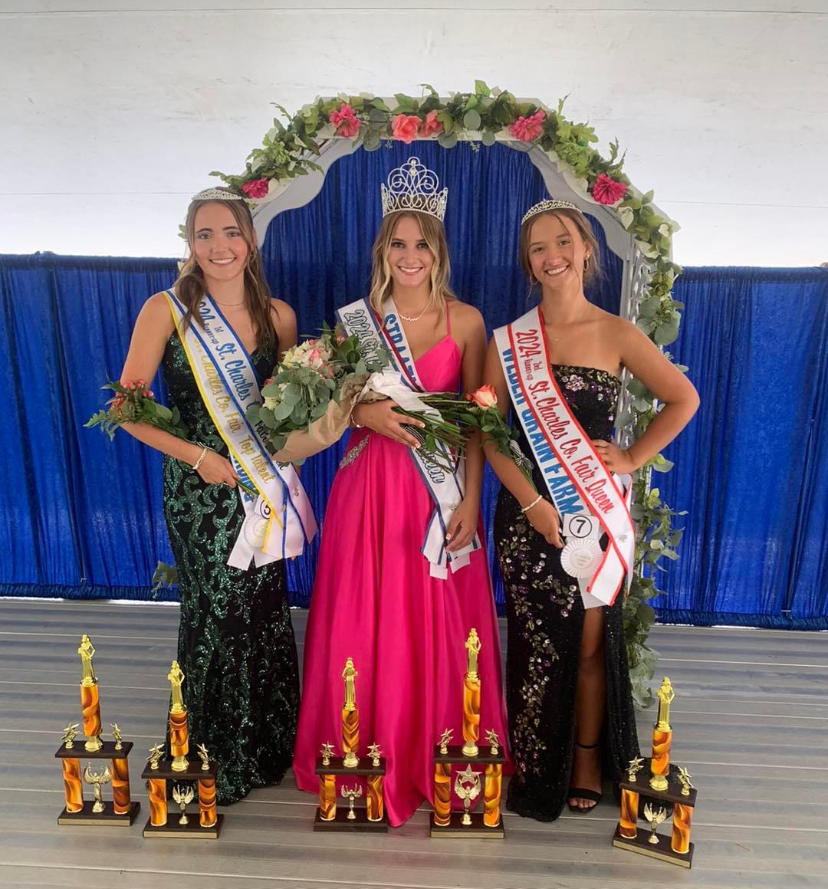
{"x": 448, "y": 319}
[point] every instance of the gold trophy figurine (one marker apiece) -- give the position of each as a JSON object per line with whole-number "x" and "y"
{"x": 350, "y": 717}
{"x": 116, "y": 733}
{"x": 471, "y": 697}
{"x": 351, "y": 794}
{"x": 90, "y": 697}
{"x": 635, "y": 766}
{"x": 183, "y": 796}
{"x": 204, "y": 757}
{"x": 684, "y": 779}
{"x": 179, "y": 731}
{"x": 662, "y": 738}
{"x": 494, "y": 741}
{"x": 326, "y": 751}
{"x": 155, "y": 754}
{"x": 375, "y": 753}
{"x": 96, "y": 779}
{"x": 467, "y": 788}
{"x": 69, "y": 735}
{"x": 445, "y": 740}
{"x": 655, "y": 817}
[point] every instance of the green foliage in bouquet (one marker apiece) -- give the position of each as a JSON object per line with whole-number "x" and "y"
{"x": 307, "y": 380}
{"x": 135, "y": 403}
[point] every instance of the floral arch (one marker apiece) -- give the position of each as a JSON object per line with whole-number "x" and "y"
{"x": 289, "y": 169}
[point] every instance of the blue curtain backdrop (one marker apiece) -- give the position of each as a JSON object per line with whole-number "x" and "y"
{"x": 82, "y": 516}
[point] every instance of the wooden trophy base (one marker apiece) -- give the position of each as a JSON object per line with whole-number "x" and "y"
{"x": 342, "y": 823}
{"x": 641, "y": 844}
{"x": 107, "y": 818}
{"x": 192, "y": 830}
{"x": 477, "y": 830}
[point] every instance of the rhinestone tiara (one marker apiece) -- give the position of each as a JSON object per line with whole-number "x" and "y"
{"x": 216, "y": 194}
{"x": 413, "y": 186}
{"x": 548, "y": 204}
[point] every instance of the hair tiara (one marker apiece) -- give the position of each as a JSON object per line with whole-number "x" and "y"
{"x": 216, "y": 194}
{"x": 548, "y": 204}
{"x": 413, "y": 186}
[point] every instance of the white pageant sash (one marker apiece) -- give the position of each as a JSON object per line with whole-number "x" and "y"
{"x": 401, "y": 383}
{"x": 580, "y": 485}
{"x": 281, "y": 519}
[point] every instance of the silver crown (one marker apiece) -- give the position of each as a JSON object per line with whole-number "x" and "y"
{"x": 548, "y": 204}
{"x": 216, "y": 194}
{"x": 414, "y": 187}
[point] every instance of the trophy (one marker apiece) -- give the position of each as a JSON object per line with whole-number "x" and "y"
{"x": 661, "y": 794}
{"x": 179, "y": 767}
{"x": 467, "y": 784}
{"x": 328, "y": 766}
{"x": 122, "y": 810}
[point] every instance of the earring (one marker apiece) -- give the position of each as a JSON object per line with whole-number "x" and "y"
{"x": 586, "y": 263}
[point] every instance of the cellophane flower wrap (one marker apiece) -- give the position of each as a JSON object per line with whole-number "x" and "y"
{"x": 307, "y": 403}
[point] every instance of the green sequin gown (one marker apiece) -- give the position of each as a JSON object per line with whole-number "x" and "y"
{"x": 235, "y": 639}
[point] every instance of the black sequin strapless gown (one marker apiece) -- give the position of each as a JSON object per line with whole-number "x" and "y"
{"x": 545, "y": 622}
{"x": 235, "y": 639}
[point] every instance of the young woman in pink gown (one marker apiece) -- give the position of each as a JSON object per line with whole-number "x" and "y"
{"x": 374, "y": 598}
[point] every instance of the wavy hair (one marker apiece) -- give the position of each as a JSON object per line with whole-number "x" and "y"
{"x": 190, "y": 286}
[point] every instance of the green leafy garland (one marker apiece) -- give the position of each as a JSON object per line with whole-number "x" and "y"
{"x": 484, "y": 116}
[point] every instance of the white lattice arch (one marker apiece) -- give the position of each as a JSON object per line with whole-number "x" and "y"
{"x": 292, "y": 193}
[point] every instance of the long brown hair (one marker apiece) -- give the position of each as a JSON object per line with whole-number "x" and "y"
{"x": 190, "y": 286}
{"x": 580, "y": 224}
{"x": 434, "y": 235}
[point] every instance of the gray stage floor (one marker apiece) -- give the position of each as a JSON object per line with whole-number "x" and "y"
{"x": 749, "y": 721}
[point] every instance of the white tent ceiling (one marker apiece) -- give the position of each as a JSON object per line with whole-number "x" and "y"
{"x": 113, "y": 113}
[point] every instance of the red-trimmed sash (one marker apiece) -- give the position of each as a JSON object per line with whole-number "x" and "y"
{"x": 590, "y": 499}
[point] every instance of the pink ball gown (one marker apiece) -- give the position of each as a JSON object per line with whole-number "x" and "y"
{"x": 375, "y": 602}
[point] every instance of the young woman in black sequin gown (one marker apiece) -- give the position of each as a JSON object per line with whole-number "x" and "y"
{"x": 235, "y": 642}
{"x": 567, "y": 679}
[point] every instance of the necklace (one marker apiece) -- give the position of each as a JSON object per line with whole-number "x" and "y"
{"x": 412, "y": 320}
{"x": 228, "y": 305}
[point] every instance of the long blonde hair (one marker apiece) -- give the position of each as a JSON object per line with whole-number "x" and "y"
{"x": 190, "y": 286}
{"x": 435, "y": 237}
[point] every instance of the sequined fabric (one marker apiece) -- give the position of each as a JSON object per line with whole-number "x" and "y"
{"x": 545, "y": 622}
{"x": 235, "y": 639}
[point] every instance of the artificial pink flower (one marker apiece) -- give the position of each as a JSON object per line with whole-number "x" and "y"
{"x": 484, "y": 397}
{"x": 345, "y": 121}
{"x": 608, "y": 191}
{"x": 256, "y": 188}
{"x": 527, "y": 129}
{"x": 431, "y": 126}
{"x": 405, "y": 127}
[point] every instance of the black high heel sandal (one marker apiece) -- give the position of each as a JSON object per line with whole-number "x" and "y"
{"x": 582, "y": 792}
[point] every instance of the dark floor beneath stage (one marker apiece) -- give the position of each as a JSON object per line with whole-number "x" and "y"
{"x": 750, "y": 723}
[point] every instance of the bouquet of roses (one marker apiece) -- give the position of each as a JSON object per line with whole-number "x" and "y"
{"x": 308, "y": 400}
{"x": 480, "y": 411}
{"x": 135, "y": 403}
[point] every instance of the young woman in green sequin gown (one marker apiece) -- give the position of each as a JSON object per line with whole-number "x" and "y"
{"x": 568, "y": 691}
{"x": 235, "y": 641}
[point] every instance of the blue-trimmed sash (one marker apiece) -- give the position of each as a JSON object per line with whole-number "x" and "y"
{"x": 280, "y": 520}
{"x": 590, "y": 499}
{"x": 401, "y": 382}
